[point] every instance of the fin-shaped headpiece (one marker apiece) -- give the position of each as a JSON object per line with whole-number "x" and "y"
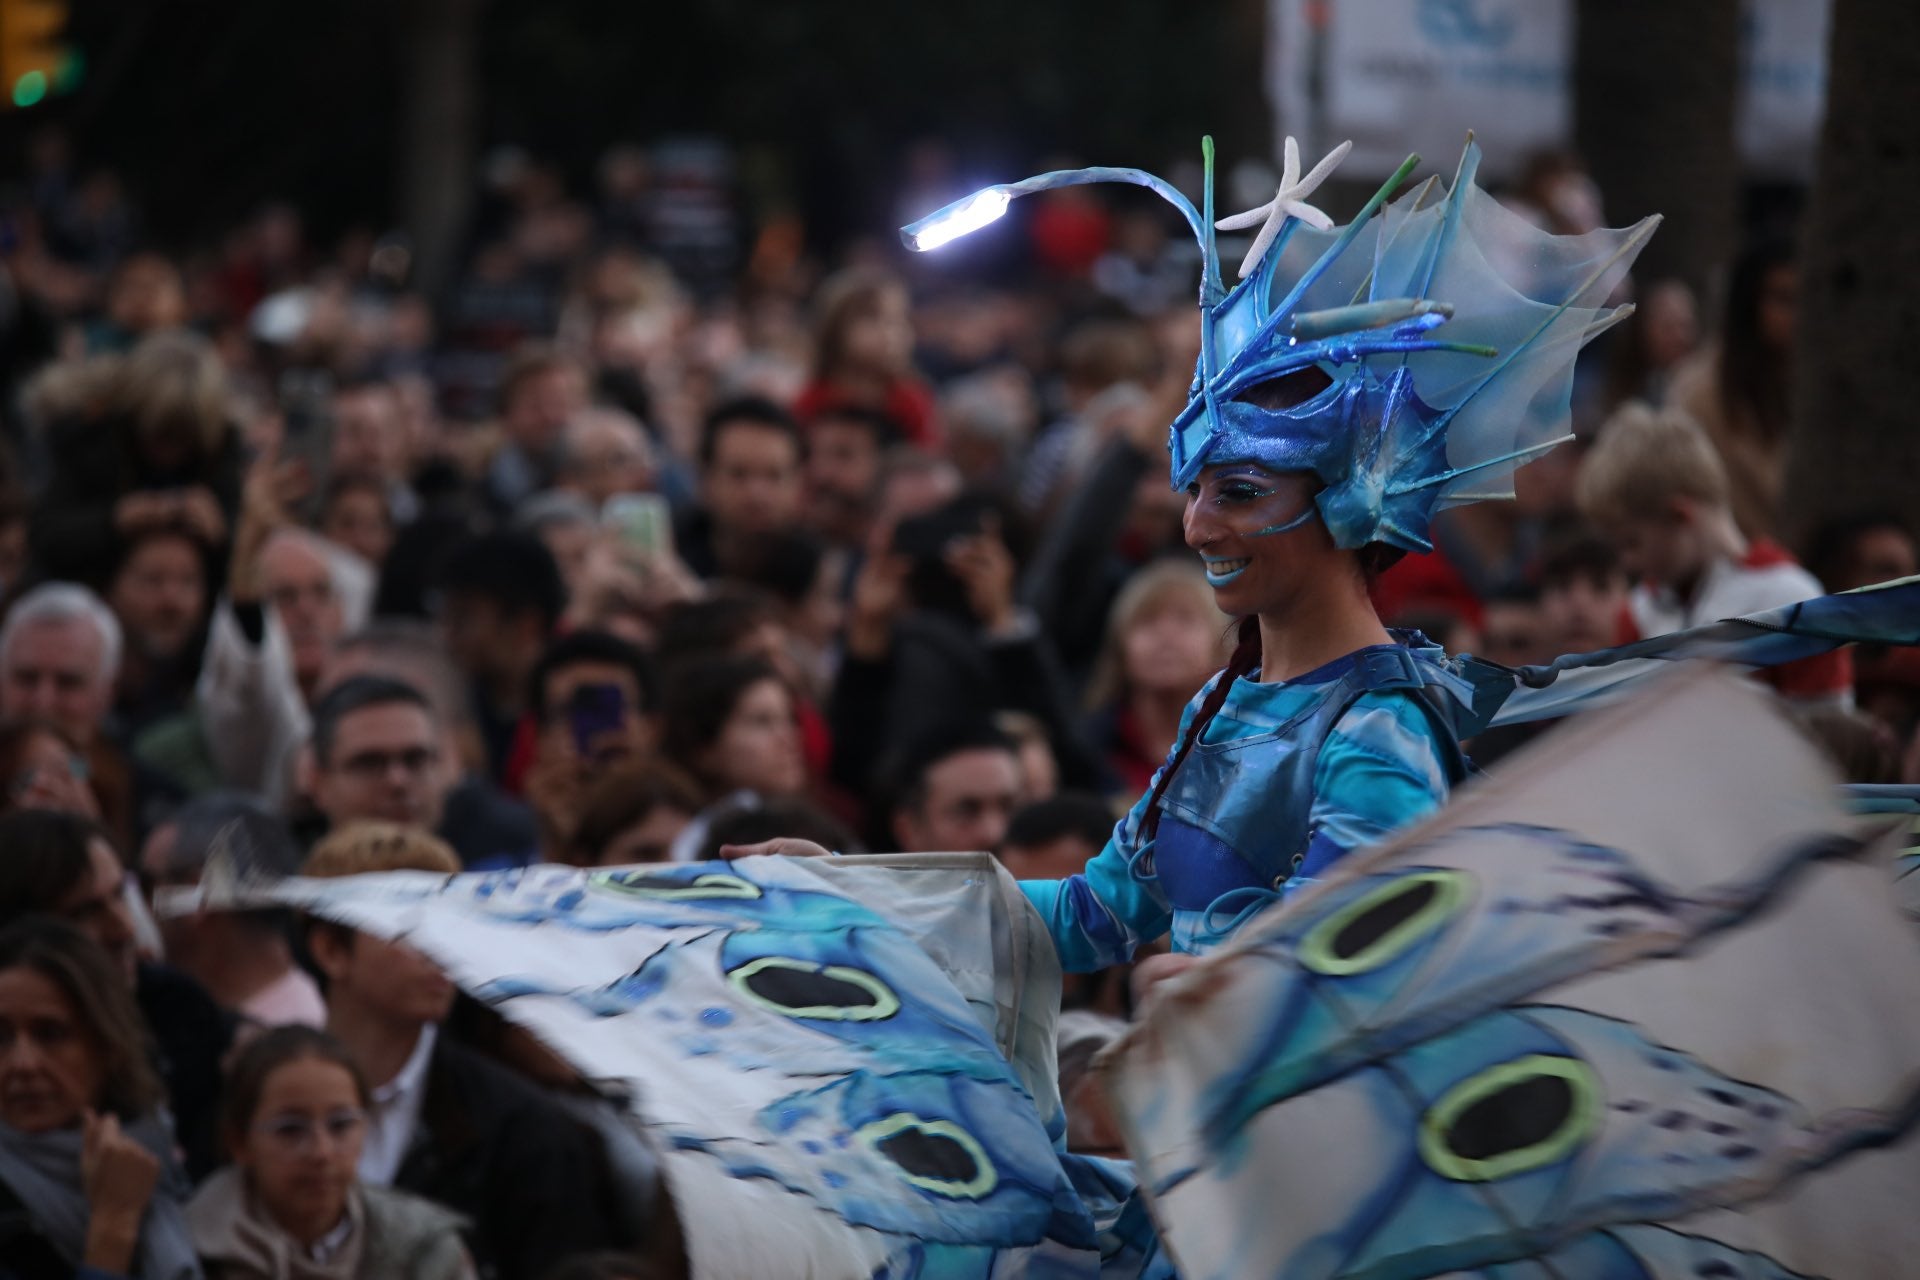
{"x": 1419, "y": 354}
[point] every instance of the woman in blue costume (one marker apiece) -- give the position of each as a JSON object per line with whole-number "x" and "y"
{"x": 1355, "y": 382}
{"x": 1327, "y": 422}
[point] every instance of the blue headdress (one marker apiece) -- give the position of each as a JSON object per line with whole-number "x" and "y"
{"x": 1404, "y": 418}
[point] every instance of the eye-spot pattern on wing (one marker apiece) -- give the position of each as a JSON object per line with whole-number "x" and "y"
{"x": 670, "y": 887}
{"x": 1369, "y": 967}
{"x": 807, "y": 989}
{"x": 934, "y": 1155}
{"x": 693, "y": 896}
{"x": 931, "y": 1154}
{"x": 1511, "y": 1118}
{"x": 1377, "y": 927}
{"x": 1532, "y": 1128}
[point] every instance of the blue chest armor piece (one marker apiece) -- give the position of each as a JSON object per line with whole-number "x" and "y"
{"x": 1235, "y": 819}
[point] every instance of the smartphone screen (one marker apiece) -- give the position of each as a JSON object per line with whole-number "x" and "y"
{"x": 927, "y": 537}
{"x": 642, "y": 521}
{"x": 594, "y": 711}
{"x": 306, "y": 407}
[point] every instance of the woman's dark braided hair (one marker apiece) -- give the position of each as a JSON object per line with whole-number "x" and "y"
{"x": 1246, "y": 656}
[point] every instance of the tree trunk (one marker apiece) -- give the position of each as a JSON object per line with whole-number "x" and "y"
{"x": 1854, "y": 448}
{"x": 1655, "y": 88}
{"x": 439, "y": 120}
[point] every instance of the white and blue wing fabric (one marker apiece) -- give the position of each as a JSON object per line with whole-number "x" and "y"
{"x": 1640, "y": 1008}
{"x": 847, "y": 1064}
{"x": 1886, "y": 614}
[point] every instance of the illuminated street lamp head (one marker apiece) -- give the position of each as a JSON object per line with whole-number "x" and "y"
{"x": 962, "y": 217}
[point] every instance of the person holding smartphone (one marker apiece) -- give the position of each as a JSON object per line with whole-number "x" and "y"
{"x": 594, "y": 703}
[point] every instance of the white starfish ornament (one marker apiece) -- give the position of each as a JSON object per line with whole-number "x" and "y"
{"x": 1290, "y": 201}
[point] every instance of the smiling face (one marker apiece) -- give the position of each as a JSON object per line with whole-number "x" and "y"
{"x": 1256, "y": 533}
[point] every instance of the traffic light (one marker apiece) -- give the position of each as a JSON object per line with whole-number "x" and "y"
{"x": 33, "y": 61}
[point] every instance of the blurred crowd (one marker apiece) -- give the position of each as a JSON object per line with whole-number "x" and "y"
{"x": 654, "y": 532}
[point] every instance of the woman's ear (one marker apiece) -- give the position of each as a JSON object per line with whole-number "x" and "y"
{"x": 234, "y": 1143}
{"x": 704, "y": 763}
{"x": 331, "y": 947}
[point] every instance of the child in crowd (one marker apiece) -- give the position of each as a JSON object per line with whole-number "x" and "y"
{"x": 292, "y": 1206}
{"x": 1655, "y": 487}
{"x": 1583, "y": 595}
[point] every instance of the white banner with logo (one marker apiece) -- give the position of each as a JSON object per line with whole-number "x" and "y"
{"x": 1414, "y": 75}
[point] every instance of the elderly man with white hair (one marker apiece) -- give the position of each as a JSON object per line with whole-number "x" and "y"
{"x": 605, "y": 452}
{"x": 59, "y": 654}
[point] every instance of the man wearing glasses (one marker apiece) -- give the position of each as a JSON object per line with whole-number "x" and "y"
{"x": 377, "y": 754}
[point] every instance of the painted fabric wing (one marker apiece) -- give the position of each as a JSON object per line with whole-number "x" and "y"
{"x": 1639, "y": 1007}
{"x": 830, "y": 1099}
{"x": 1885, "y": 614}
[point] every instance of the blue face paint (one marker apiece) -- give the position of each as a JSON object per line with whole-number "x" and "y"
{"x": 1245, "y": 501}
{"x": 1220, "y": 571}
{"x": 1288, "y": 526}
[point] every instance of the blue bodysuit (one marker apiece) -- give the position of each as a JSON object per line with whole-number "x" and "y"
{"x": 1285, "y": 778}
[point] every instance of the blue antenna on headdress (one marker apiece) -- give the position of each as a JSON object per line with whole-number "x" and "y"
{"x": 970, "y": 213}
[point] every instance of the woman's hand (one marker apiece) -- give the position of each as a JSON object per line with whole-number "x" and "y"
{"x": 60, "y": 790}
{"x": 985, "y": 567}
{"x": 556, "y": 785}
{"x": 194, "y": 510}
{"x": 879, "y": 595}
{"x": 272, "y": 488}
{"x": 1151, "y": 971}
{"x": 200, "y": 512}
{"x": 142, "y": 510}
{"x": 783, "y": 846}
{"x": 118, "y": 1176}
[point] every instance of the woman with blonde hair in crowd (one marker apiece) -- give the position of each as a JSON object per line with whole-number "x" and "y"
{"x": 1165, "y": 637}
{"x": 136, "y": 442}
{"x": 291, "y": 1206}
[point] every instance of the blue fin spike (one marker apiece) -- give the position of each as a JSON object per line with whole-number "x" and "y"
{"x": 1334, "y": 250}
{"x": 1463, "y": 176}
{"x": 1629, "y": 246}
{"x": 1419, "y": 198}
{"x": 1398, "y": 490}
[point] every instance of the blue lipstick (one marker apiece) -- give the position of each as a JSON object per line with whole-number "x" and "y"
{"x": 1221, "y": 571}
